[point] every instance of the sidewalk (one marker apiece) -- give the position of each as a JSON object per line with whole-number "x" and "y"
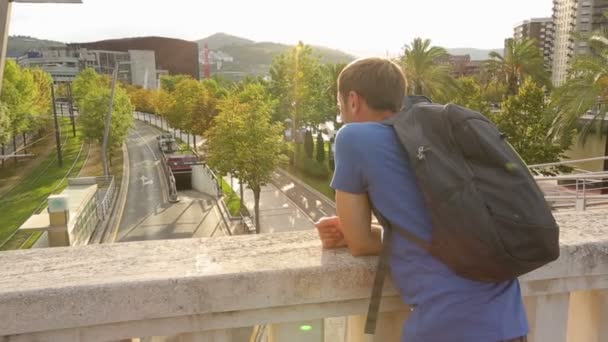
{"x": 277, "y": 212}
{"x": 315, "y": 204}
{"x": 159, "y": 122}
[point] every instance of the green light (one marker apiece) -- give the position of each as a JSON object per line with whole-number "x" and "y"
{"x": 305, "y": 327}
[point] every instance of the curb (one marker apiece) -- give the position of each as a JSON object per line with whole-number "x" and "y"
{"x": 121, "y": 198}
{"x": 307, "y": 187}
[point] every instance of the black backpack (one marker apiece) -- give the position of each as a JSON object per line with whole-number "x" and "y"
{"x": 490, "y": 221}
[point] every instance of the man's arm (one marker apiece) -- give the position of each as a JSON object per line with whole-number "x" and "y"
{"x": 355, "y": 215}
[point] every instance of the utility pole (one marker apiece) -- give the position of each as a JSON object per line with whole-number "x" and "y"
{"x": 106, "y": 133}
{"x": 295, "y": 107}
{"x": 57, "y": 137}
{"x": 5, "y": 15}
{"x": 71, "y": 109}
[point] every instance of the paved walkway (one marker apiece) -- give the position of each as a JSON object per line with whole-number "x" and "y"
{"x": 278, "y": 213}
{"x": 159, "y": 122}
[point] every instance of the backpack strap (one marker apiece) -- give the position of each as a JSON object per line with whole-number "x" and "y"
{"x": 408, "y": 102}
{"x": 381, "y": 270}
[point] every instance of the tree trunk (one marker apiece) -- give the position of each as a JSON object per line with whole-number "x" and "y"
{"x": 73, "y": 123}
{"x": 15, "y": 146}
{"x": 194, "y": 141}
{"x": 256, "y": 196}
{"x": 605, "y": 184}
{"x": 3, "y": 155}
{"x": 188, "y": 138}
{"x": 24, "y": 143}
{"x": 241, "y": 203}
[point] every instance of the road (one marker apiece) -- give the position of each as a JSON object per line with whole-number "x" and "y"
{"x": 147, "y": 214}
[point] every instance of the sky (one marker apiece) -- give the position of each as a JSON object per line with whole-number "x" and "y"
{"x": 363, "y": 28}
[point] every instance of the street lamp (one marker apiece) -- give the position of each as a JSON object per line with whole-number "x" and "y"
{"x": 5, "y": 15}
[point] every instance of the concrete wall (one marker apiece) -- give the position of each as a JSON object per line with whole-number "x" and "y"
{"x": 203, "y": 182}
{"x": 143, "y": 68}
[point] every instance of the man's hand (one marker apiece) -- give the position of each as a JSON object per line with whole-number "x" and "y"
{"x": 330, "y": 232}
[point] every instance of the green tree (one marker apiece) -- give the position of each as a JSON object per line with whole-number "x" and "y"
{"x": 93, "y": 111}
{"x": 189, "y": 99}
{"x": 244, "y": 141}
{"x": 522, "y": 59}
{"x": 162, "y": 101}
{"x": 320, "y": 148}
{"x": 309, "y": 144}
{"x": 19, "y": 95}
{"x": 297, "y": 83}
{"x": 43, "y": 101}
{"x": 469, "y": 95}
{"x": 423, "y": 70}
{"x": 210, "y": 94}
{"x": 331, "y": 73}
{"x": 142, "y": 99}
{"x": 86, "y": 82}
{"x": 5, "y": 124}
{"x": 526, "y": 119}
{"x": 586, "y": 90}
{"x": 170, "y": 82}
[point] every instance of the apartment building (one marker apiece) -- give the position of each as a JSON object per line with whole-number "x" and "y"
{"x": 571, "y": 17}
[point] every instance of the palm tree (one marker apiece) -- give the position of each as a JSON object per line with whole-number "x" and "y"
{"x": 585, "y": 92}
{"x": 522, "y": 59}
{"x": 424, "y": 70}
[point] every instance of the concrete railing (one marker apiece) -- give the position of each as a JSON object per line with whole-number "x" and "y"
{"x": 202, "y": 288}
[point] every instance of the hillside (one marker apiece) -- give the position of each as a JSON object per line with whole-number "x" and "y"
{"x": 254, "y": 58}
{"x": 476, "y": 54}
{"x": 18, "y": 45}
{"x": 219, "y": 40}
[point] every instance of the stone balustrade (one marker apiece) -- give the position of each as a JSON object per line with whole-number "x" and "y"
{"x": 208, "y": 286}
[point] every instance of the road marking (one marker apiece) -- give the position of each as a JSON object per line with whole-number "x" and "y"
{"x": 145, "y": 142}
{"x": 146, "y": 181}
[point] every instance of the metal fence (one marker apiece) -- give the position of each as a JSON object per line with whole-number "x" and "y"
{"x": 574, "y": 191}
{"x": 104, "y": 206}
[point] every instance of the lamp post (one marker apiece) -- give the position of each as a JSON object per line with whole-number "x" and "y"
{"x": 5, "y": 15}
{"x": 295, "y": 104}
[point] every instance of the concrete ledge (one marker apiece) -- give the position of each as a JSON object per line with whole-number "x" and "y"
{"x": 215, "y": 283}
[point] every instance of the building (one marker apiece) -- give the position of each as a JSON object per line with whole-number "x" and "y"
{"x": 176, "y": 56}
{"x": 461, "y": 65}
{"x": 571, "y": 17}
{"x": 136, "y": 67}
{"x": 540, "y": 30}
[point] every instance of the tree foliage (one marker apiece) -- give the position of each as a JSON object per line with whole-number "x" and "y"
{"x": 425, "y": 73}
{"x": 522, "y": 59}
{"x": 19, "y": 94}
{"x": 298, "y": 84}
{"x": 469, "y": 95}
{"x": 244, "y": 141}
{"x": 320, "y": 148}
{"x": 5, "y": 124}
{"x": 87, "y": 82}
{"x": 526, "y": 119}
{"x": 93, "y": 110}
{"x": 586, "y": 89}
{"x": 169, "y": 82}
{"x": 309, "y": 144}
{"x": 142, "y": 99}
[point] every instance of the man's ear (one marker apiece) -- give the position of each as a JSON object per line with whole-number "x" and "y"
{"x": 354, "y": 103}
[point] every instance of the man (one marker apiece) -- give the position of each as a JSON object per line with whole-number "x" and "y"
{"x": 372, "y": 167}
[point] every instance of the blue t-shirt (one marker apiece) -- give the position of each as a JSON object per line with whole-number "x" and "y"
{"x": 448, "y": 308}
